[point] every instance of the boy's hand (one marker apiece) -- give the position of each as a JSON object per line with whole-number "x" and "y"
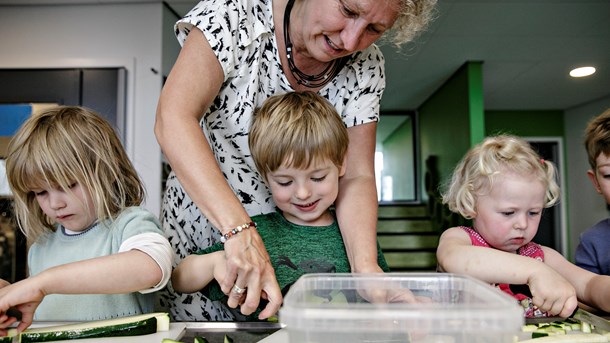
{"x": 552, "y": 293}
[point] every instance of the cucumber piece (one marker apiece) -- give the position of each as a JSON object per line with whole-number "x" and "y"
{"x": 572, "y": 338}
{"x": 127, "y": 326}
{"x": 228, "y": 339}
{"x": 199, "y": 339}
{"x": 10, "y": 333}
{"x": 538, "y": 334}
{"x": 529, "y": 328}
{"x": 169, "y": 340}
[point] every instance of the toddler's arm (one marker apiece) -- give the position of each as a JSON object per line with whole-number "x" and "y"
{"x": 124, "y": 272}
{"x": 550, "y": 291}
{"x": 195, "y": 271}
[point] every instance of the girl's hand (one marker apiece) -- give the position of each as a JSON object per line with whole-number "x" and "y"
{"x": 4, "y": 283}
{"x": 24, "y": 296}
{"x": 552, "y": 293}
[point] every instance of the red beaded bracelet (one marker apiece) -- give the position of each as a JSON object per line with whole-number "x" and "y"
{"x": 235, "y": 231}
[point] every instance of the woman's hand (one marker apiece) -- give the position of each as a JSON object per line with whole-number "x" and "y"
{"x": 248, "y": 267}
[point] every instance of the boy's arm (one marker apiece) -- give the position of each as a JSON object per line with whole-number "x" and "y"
{"x": 195, "y": 271}
{"x": 591, "y": 289}
{"x": 124, "y": 272}
{"x": 550, "y": 291}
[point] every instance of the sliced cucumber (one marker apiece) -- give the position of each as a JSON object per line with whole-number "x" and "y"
{"x": 228, "y": 339}
{"x": 577, "y": 337}
{"x": 199, "y": 339}
{"x": 127, "y": 326}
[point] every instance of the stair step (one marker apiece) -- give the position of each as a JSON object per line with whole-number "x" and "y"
{"x": 411, "y": 260}
{"x": 408, "y": 241}
{"x": 404, "y": 226}
{"x": 410, "y": 211}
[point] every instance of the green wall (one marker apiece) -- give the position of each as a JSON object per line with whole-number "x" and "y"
{"x": 398, "y": 153}
{"x": 525, "y": 123}
{"x": 452, "y": 120}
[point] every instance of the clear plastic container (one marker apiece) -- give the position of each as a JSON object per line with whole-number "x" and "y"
{"x": 453, "y": 308}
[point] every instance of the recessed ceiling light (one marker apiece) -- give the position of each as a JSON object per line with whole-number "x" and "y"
{"x": 581, "y": 72}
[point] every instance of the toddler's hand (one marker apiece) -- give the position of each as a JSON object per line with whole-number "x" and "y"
{"x": 552, "y": 293}
{"x": 4, "y": 283}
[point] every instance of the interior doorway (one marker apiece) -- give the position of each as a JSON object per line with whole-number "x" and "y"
{"x": 552, "y": 231}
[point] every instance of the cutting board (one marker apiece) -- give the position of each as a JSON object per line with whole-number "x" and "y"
{"x": 280, "y": 336}
{"x": 176, "y": 331}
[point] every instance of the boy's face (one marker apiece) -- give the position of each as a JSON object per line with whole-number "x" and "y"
{"x": 73, "y": 210}
{"x": 304, "y": 195}
{"x": 600, "y": 177}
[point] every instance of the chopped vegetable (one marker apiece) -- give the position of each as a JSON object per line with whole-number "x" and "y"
{"x": 199, "y": 339}
{"x": 577, "y": 337}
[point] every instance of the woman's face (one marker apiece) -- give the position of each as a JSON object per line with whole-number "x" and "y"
{"x": 330, "y": 29}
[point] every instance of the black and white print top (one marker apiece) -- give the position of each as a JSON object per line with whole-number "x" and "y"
{"x": 241, "y": 33}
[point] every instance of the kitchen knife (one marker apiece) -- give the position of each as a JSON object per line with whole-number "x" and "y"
{"x": 592, "y": 319}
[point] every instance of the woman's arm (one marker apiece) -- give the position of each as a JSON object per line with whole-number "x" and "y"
{"x": 356, "y": 204}
{"x": 193, "y": 83}
{"x": 550, "y": 291}
{"x": 124, "y": 272}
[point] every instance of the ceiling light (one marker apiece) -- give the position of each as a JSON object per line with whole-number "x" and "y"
{"x": 582, "y": 71}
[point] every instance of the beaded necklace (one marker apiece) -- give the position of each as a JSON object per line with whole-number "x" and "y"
{"x": 309, "y": 81}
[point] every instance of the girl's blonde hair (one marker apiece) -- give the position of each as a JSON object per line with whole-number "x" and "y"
{"x": 475, "y": 173}
{"x": 297, "y": 129}
{"x": 63, "y": 145}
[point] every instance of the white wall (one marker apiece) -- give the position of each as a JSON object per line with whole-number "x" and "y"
{"x": 585, "y": 206}
{"x": 99, "y": 35}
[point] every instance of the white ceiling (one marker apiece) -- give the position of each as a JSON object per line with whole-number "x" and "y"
{"x": 527, "y": 48}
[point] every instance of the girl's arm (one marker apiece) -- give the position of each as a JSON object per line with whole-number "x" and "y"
{"x": 196, "y": 271}
{"x": 550, "y": 291}
{"x": 356, "y": 204}
{"x": 124, "y": 272}
{"x": 591, "y": 289}
{"x": 192, "y": 85}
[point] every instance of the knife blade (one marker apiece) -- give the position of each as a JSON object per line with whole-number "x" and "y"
{"x": 590, "y": 318}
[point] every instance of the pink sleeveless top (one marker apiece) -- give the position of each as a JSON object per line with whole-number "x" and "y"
{"x": 532, "y": 250}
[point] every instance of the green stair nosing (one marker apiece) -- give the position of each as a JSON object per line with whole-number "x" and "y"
{"x": 408, "y": 250}
{"x": 407, "y": 233}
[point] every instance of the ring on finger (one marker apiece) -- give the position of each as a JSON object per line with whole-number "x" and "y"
{"x": 238, "y": 290}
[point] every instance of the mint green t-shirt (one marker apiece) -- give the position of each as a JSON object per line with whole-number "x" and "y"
{"x": 102, "y": 239}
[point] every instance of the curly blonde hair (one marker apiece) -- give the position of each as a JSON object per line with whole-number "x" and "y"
{"x": 475, "y": 173}
{"x": 63, "y": 145}
{"x": 413, "y": 18}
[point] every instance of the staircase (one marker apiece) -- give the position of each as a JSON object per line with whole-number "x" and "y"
{"x": 407, "y": 238}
